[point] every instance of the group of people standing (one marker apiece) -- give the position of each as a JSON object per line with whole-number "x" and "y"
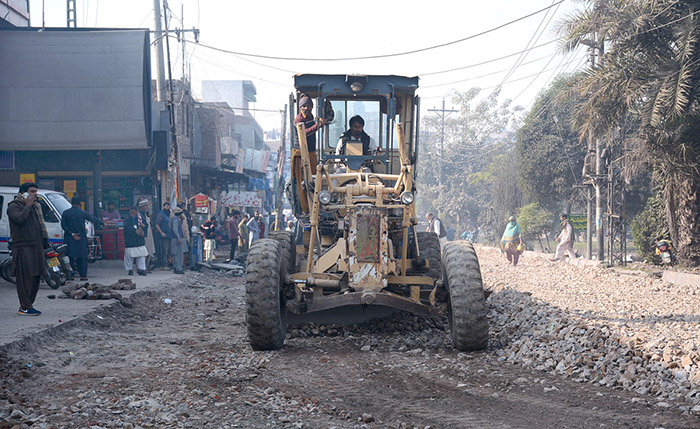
{"x": 172, "y": 237}
{"x": 244, "y": 230}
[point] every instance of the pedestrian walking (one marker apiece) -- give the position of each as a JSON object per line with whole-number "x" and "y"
{"x": 145, "y": 217}
{"x": 243, "y": 233}
{"x": 74, "y": 234}
{"x": 435, "y": 225}
{"x": 186, "y": 232}
{"x": 232, "y": 225}
{"x": 208, "y": 228}
{"x": 135, "y": 230}
{"x": 512, "y": 241}
{"x": 565, "y": 239}
{"x": 29, "y": 239}
{"x": 253, "y": 230}
{"x": 165, "y": 235}
{"x": 178, "y": 244}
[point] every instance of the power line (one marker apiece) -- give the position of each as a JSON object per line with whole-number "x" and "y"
{"x": 488, "y": 61}
{"x": 238, "y": 71}
{"x": 533, "y": 39}
{"x": 396, "y": 54}
{"x": 492, "y": 74}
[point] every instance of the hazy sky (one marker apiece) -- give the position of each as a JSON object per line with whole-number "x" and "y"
{"x": 356, "y": 28}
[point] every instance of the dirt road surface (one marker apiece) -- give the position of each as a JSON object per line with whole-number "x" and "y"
{"x": 181, "y": 359}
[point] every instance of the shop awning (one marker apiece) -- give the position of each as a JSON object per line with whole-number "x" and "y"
{"x": 74, "y": 89}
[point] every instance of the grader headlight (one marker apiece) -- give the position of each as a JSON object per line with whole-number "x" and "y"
{"x": 324, "y": 196}
{"x": 407, "y": 197}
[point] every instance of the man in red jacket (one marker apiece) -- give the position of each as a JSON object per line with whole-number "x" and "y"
{"x": 306, "y": 116}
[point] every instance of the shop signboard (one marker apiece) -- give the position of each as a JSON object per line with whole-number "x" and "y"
{"x": 241, "y": 199}
{"x": 70, "y": 186}
{"x": 27, "y": 178}
{"x": 201, "y": 204}
{"x": 578, "y": 221}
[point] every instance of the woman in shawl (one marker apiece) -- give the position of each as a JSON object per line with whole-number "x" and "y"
{"x": 511, "y": 240}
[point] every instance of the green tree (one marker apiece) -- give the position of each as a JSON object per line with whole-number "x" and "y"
{"x": 458, "y": 179}
{"x": 650, "y": 72}
{"x": 549, "y": 150}
{"x": 535, "y": 222}
{"x": 648, "y": 225}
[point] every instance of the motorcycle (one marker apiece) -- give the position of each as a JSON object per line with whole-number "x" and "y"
{"x": 664, "y": 250}
{"x": 55, "y": 274}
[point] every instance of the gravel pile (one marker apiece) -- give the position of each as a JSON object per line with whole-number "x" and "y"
{"x": 630, "y": 331}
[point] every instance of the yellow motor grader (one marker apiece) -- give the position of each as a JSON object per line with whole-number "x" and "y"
{"x": 356, "y": 252}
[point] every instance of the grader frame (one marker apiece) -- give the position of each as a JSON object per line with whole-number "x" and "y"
{"x": 356, "y": 244}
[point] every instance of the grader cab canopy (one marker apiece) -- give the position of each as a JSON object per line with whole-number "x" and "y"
{"x": 356, "y": 249}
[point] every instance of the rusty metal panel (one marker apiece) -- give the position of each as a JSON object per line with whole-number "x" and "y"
{"x": 368, "y": 236}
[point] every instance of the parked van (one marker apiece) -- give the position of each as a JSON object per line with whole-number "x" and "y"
{"x": 53, "y": 204}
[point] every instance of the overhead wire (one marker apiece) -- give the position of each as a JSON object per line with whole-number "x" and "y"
{"x": 240, "y": 72}
{"x": 533, "y": 39}
{"x": 390, "y": 55}
{"x": 534, "y": 79}
{"x": 487, "y": 61}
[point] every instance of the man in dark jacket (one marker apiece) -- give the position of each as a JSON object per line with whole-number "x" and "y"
{"x": 163, "y": 233}
{"x": 29, "y": 239}
{"x": 73, "y": 224}
{"x": 208, "y": 228}
{"x": 356, "y": 134}
{"x": 135, "y": 229}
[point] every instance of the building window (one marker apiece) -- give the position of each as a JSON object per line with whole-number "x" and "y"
{"x": 7, "y": 160}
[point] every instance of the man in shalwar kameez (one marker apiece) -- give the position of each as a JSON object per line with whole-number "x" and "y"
{"x": 29, "y": 239}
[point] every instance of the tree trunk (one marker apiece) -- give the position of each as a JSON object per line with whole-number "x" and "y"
{"x": 682, "y": 195}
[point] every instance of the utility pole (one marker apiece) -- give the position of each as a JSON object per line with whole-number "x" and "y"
{"x": 70, "y": 13}
{"x": 160, "y": 64}
{"x": 594, "y": 179}
{"x": 171, "y": 107}
{"x": 443, "y": 114}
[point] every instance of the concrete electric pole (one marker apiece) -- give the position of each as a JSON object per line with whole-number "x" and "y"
{"x": 443, "y": 113}
{"x": 596, "y": 178}
{"x": 160, "y": 63}
{"x": 70, "y": 12}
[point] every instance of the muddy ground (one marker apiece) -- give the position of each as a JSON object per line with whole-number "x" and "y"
{"x": 187, "y": 364}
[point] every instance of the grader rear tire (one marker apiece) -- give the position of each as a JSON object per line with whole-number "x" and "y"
{"x": 429, "y": 245}
{"x": 285, "y": 238}
{"x": 266, "y": 311}
{"x": 468, "y": 309}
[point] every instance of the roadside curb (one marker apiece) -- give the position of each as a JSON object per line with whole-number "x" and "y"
{"x": 681, "y": 279}
{"x": 59, "y": 314}
{"x": 31, "y": 339}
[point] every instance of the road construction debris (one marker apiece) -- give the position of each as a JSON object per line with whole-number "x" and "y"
{"x": 86, "y": 290}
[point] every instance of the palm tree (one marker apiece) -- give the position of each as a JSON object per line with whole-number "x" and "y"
{"x": 650, "y": 73}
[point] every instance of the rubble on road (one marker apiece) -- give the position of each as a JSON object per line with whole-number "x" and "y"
{"x": 92, "y": 291}
{"x": 231, "y": 268}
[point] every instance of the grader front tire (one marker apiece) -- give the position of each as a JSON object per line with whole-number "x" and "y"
{"x": 266, "y": 312}
{"x": 468, "y": 309}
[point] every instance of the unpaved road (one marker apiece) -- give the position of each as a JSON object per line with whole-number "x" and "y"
{"x": 188, "y": 364}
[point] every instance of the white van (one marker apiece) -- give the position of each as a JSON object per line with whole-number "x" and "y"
{"x": 53, "y": 204}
